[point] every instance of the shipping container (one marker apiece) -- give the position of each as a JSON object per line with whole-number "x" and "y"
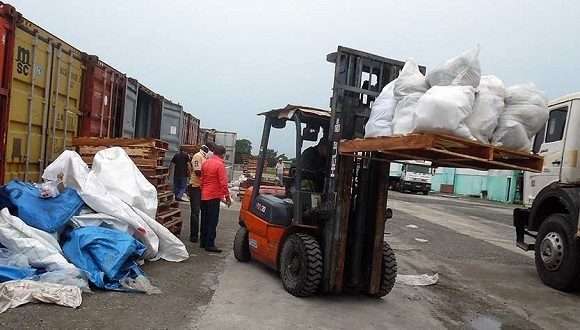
{"x": 190, "y": 128}
{"x": 206, "y": 135}
{"x": 228, "y": 140}
{"x": 171, "y": 123}
{"x": 126, "y": 121}
{"x": 45, "y": 92}
{"x": 103, "y": 99}
{"x": 148, "y": 116}
{"x": 7, "y": 27}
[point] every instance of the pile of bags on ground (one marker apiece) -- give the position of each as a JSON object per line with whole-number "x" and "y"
{"x": 455, "y": 99}
{"x": 81, "y": 226}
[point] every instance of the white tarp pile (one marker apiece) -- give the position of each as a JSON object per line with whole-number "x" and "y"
{"x": 117, "y": 197}
{"x": 455, "y": 99}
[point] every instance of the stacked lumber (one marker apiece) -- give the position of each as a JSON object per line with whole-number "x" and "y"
{"x": 148, "y": 155}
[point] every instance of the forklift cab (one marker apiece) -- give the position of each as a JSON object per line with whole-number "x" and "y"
{"x": 297, "y": 206}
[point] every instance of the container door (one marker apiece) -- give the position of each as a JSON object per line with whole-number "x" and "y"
{"x": 171, "y": 128}
{"x": 67, "y": 73}
{"x": 31, "y": 70}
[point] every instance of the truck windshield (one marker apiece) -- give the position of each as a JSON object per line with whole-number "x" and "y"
{"x": 418, "y": 169}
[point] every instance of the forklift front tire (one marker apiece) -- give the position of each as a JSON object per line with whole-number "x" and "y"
{"x": 301, "y": 265}
{"x": 242, "y": 245}
{"x": 388, "y": 271}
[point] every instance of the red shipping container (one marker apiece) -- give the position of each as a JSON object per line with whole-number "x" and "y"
{"x": 8, "y": 16}
{"x": 103, "y": 99}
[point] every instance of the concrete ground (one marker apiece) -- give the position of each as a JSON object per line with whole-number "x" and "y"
{"x": 484, "y": 283}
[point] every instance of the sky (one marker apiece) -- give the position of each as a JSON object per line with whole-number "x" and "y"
{"x": 225, "y": 61}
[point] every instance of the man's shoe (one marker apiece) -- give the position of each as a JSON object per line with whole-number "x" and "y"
{"x": 193, "y": 239}
{"x": 213, "y": 249}
{"x": 184, "y": 199}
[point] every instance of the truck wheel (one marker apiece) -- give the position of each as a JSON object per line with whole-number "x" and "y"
{"x": 388, "y": 272}
{"x": 426, "y": 192}
{"x": 557, "y": 255}
{"x": 241, "y": 245}
{"x": 301, "y": 265}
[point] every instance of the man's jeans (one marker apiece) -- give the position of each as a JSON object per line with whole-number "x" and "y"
{"x": 179, "y": 186}
{"x": 195, "y": 203}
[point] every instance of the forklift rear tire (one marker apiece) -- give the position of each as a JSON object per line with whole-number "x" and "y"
{"x": 301, "y": 265}
{"x": 388, "y": 273}
{"x": 557, "y": 253}
{"x": 242, "y": 245}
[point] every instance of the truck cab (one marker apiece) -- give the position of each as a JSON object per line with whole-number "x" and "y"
{"x": 552, "y": 198}
{"x": 413, "y": 176}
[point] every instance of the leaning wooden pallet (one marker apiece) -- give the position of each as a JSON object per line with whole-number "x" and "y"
{"x": 148, "y": 155}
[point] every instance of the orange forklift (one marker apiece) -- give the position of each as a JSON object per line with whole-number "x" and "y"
{"x": 331, "y": 240}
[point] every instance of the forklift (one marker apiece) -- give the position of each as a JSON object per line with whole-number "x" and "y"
{"x": 332, "y": 240}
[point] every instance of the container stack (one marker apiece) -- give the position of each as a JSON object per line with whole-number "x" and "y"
{"x": 148, "y": 155}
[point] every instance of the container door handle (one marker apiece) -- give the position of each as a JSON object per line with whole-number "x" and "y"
{"x": 556, "y": 162}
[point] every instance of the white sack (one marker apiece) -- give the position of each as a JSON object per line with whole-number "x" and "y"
{"x": 463, "y": 70}
{"x": 160, "y": 242}
{"x": 122, "y": 178}
{"x": 16, "y": 293}
{"x": 488, "y": 107}
{"x": 40, "y": 248}
{"x": 525, "y": 113}
{"x": 382, "y": 111}
{"x": 408, "y": 89}
{"x": 444, "y": 109}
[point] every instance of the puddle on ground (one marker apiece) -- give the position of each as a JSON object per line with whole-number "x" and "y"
{"x": 484, "y": 322}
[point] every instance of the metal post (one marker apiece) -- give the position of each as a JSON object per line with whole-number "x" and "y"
{"x": 66, "y": 109}
{"x": 30, "y": 106}
{"x": 261, "y": 162}
{"x": 298, "y": 171}
{"x": 103, "y": 104}
{"x": 45, "y": 110}
{"x": 55, "y": 103}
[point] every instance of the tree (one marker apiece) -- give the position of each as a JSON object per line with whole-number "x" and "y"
{"x": 271, "y": 157}
{"x": 243, "y": 149}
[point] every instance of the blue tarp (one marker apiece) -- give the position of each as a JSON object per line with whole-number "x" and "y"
{"x": 11, "y": 273}
{"x": 48, "y": 214}
{"x": 107, "y": 254}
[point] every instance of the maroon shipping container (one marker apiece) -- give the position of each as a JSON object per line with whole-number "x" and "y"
{"x": 103, "y": 99}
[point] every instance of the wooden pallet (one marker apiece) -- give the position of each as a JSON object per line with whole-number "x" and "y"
{"x": 119, "y": 142}
{"x": 174, "y": 226}
{"x": 443, "y": 150}
{"x": 164, "y": 196}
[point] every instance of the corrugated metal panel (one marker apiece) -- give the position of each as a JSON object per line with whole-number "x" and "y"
{"x": 7, "y": 27}
{"x": 103, "y": 99}
{"x": 171, "y": 120}
{"x": 45, "y": 98}
{"x": 149, "y": 108}
{"x": 130, "y": 109}
{"x": 228, "y": 140}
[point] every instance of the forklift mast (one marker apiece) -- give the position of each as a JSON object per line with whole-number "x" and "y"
{"x": 355, "y": 188}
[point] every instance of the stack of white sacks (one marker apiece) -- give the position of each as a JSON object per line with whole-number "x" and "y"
{"x": 455, "y": 99}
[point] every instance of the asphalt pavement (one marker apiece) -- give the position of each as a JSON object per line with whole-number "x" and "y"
{"x": 485, "y": 282}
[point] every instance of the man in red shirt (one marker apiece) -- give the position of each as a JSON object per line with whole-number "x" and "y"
{"x": 214, "y": 189}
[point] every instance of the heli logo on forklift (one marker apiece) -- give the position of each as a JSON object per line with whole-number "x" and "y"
{"x": 23, "y": 61}
{"x": 260, "y": 207}
{"x": 253, "y": 243}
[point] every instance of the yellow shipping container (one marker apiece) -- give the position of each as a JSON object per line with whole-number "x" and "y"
{"x": 44, "y": 101}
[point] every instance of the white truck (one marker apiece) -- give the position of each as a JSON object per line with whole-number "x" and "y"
{"x": 552, "y": 198}
{"x": 412, "y": 175}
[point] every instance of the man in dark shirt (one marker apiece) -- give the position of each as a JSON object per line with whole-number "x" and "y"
{"x": 182, "y": 165}
{"x": 314, "y": 161}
